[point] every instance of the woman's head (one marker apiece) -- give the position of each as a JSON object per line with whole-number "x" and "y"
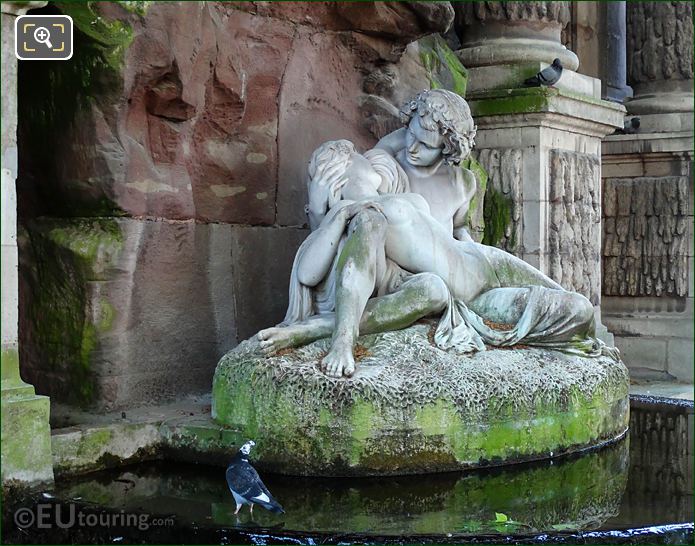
{"x": 439, "y": 123}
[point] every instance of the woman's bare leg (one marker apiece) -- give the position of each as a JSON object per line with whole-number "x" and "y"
{"x": 361, "y": 258}
{"x": 420, "y": 296}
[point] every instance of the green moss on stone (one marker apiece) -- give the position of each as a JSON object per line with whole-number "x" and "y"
{"x": 68, "y": 255}
{"x": 308, "y": 424}
{"x": 10, "y": 367}
{"x": 442, "y": 66}
{"x": 498, "y": 216}
{"x": 112, "y": 37}
{"x": 25, "y": 440}
{"x": 512, "y": 101}
{"x": 139, "y": 6}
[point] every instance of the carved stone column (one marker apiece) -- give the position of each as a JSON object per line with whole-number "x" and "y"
{"x": 541, "y": 147}
{"x": 615, "y": 71}
{"x": 496, "y": 33}
{"x": 660, "y": 57}
{"x": 26, "y": 440}
{"x": 648, "y": 199}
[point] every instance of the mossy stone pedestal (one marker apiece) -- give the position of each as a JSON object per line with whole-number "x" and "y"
{"x": 413, "y": 408}
{"x": 26, "y": 435}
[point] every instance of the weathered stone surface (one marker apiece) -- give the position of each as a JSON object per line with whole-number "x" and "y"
{"x": 482, "y": 12}
{"x": 26, "y": 440}
{"x": 401, "y": 21}
{"x": 412, "y": 408}
{"x": 503, "y": 204}
{"x": 659, "y": 41}
{"x": 261, "y": 260}
{"x": 660, "y": 57}
{"x": 318, "y": 103}
{"x": 646, "y": 235}
{"x": 574, "y": 238}
{"x": 122, "y": 312}
{"x": 193, "y": 110}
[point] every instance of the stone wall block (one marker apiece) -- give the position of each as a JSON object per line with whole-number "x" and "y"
{"x": 575, "y": 216}
{"x": 646, "y": 254}
{"x": 262, "y": 260}
{"x": 121, "y": 313}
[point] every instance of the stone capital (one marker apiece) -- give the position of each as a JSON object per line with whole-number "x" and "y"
{"x": 20, "y": 8}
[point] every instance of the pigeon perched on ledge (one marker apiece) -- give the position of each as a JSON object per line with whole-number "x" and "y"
{"x": 548, "y": 76}
{"x": 631, "y": 126}
{"x": 246, "y": 485}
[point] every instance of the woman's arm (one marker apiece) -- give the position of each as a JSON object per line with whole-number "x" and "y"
{"x": 322, "y": 245}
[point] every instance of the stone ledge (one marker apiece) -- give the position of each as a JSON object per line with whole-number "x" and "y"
{"x": 181, "y": 431}
{"x": 544, "y": 106}
{"x": 412, "y": 408}
{"x": 510, "y": 76}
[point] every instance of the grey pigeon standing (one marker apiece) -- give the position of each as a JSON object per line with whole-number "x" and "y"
{"x": 631, "y": 126}
{"x": 548, "y": 76}
{"x": 246, "y": 485}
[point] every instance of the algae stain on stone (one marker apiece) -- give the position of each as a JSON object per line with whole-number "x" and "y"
{"x": 221, "y": 190}
{"x": 69, "y": 254}
{"x": 498, "y": 216}
{"x": 362, "y": 419}
{"x": 443, "y": 68}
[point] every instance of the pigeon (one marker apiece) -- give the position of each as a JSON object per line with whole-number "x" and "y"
{"x": 548, "y": 76}
{"x": 631, "y": 126}
{"x": 246, "y": 485}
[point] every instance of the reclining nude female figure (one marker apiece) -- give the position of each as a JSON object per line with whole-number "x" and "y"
{"x": 399, "y": 247}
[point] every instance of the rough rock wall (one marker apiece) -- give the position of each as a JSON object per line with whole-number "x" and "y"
{"x": 645, "y": 241}
{"x": 659, "y": 41}
{"x": 162, "y": 178}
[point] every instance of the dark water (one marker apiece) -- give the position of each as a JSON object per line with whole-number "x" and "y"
{"x": 637, "y": 490}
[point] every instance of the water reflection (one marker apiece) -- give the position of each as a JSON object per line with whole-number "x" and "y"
{"x": 660, "y": 484}
{"x": 569, "y": 494}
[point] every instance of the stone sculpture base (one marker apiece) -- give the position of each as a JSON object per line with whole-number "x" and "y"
{"x": 413, "y": 408}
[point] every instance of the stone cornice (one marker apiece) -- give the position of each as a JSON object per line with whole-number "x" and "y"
{"x": 550, "y": 108}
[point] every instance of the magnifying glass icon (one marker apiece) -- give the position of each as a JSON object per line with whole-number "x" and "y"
{"x": 43, "y": 36}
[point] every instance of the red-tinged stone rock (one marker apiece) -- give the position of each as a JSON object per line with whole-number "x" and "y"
{"x": 317, "y": 103}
